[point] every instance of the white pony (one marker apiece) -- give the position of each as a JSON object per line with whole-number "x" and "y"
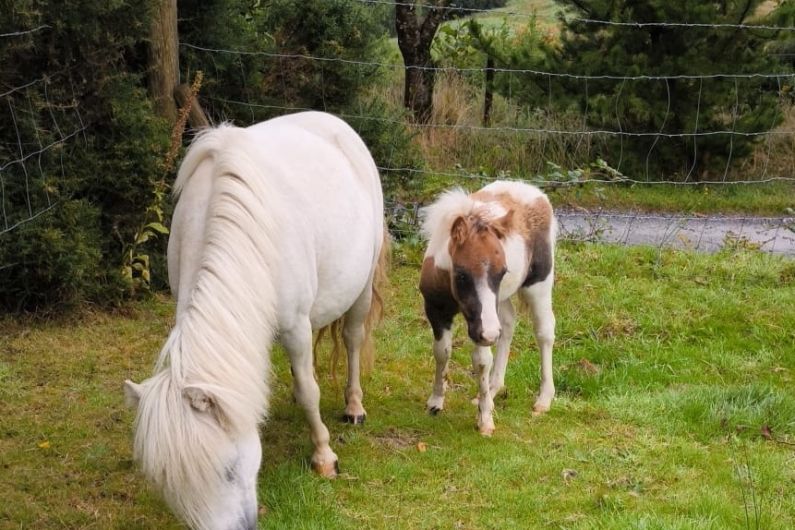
{"x": 278, "y": 230}
{"x": 483, "y": 248}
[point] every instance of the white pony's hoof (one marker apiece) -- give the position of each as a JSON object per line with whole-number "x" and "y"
{"x": 486, "y": 429}
{"x": 326, "y": 469}
{"x": 354, "y": 419}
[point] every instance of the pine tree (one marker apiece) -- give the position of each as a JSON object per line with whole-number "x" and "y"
{"x": 669, "y": 106}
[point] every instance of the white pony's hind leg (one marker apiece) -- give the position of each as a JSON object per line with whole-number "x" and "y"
{"x": 298, "y": 342}
{"x": 539, "y": 297}
{"x": 353, "y": 334}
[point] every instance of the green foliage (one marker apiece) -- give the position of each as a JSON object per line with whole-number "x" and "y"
{"x": 334, "y": 29}
{"x": 343, "y": 31}
{"x": 389, "y": 140}
{"x": 675, "y": 105}
{"x": 93, "y": 147}
{"x": 52, "y": 262}
{"x": 136, "y": 268}
{"x": 228, "y": 77}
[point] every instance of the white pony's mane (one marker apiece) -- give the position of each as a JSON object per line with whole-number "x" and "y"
{"x": 220, "y": 340}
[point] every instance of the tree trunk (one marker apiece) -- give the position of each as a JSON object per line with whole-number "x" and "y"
{"x": 164, "y": 59}
{"x": 414, "y": 39}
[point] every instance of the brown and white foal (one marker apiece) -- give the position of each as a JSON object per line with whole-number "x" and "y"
{"x": 482, "y": 248}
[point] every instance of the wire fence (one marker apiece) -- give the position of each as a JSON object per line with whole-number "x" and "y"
{"x": 559, "y": 14}
{"x": 700, "y": 233}
{"x": 35, "y": 158}
{"x": 63, "y": 126}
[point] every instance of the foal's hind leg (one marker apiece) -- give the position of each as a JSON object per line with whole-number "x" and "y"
{"x": 353, "y": 334}
{"x": 298, "y": 342}
{"x": 539, "y": 297}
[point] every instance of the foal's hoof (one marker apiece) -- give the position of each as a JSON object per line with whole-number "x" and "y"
{"x": 541, "y": 406}
{"x": 327, "y": 469}
{"x": 433, "y": 411}
{"x": 354, "y": 419}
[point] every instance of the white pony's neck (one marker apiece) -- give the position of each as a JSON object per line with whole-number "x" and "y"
{"x": 222, "y": 337}
{"x": 229, "y": 320}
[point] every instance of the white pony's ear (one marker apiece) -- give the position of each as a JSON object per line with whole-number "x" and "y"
{"x": 132, "y": 394}
{"x": 203, "y": 400}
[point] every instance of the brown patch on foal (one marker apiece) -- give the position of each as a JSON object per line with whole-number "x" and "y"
{"x": 475, "y": 243}
{"x": 528, "y": 218}
{"x": 532, "y": 221}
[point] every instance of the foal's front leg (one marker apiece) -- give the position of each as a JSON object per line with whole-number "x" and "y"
{"x": 539, "y": 298}
{"x": 441, "y": 353}
{"x": 507, "y": 317}
{"x": 482, "y": 361}
{"x": 298, "y": 342}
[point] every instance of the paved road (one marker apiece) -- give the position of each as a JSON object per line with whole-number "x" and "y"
{"x": 707, "y": 234}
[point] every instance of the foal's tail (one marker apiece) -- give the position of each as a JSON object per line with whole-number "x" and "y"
{"x": 374, "y": 315}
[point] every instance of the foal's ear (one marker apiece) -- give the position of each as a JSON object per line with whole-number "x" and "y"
{"x": 460, "y": 230}
{"x": 203, "y": 400}
{"x": 132, "y": 394}
{"x": 503, "y": 225}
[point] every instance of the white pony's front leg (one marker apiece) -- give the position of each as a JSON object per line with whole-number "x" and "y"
{"x": 482, "y": 360}
{"x": 441, "y": 353}
{"x": 539, "y": 298}
{"x": 298, "y": 342}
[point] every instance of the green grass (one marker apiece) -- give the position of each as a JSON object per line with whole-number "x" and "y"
{"x": 668, "y": 365}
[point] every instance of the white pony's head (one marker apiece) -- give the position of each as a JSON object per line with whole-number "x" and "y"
{"x": 193, "y": 449}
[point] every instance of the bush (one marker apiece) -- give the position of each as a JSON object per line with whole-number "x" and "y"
{"x": 386, "y": 134}
{"x": 92, "y": 144}
{"x": 54, "y": 261}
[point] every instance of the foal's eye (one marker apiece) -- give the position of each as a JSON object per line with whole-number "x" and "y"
{"x": 460, "y": 278}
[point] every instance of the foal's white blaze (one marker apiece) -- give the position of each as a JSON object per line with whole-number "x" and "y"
{"x": 489, "y": 320}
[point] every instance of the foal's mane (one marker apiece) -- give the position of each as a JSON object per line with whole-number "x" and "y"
{"x": 220, "y": 340}
{"x": 438, "y": 218}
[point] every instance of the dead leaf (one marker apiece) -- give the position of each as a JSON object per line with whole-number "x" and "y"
{"x": 767, "y": 434}
{"x": 568, "y": 474}
{"x": 422, "y": 447}
{"x": 44, "y": 445}
{"x": 587, "y": 366}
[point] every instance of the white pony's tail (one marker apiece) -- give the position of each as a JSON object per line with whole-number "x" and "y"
{"x": 374, "y": 315}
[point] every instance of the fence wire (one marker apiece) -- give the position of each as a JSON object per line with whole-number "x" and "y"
{"x": 35, "y": 160}
{"x": 700, "y": 233}
{"x": 557, "y": 17}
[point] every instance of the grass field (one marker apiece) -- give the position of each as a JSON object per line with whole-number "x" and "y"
{"x": 675, "y": 409}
